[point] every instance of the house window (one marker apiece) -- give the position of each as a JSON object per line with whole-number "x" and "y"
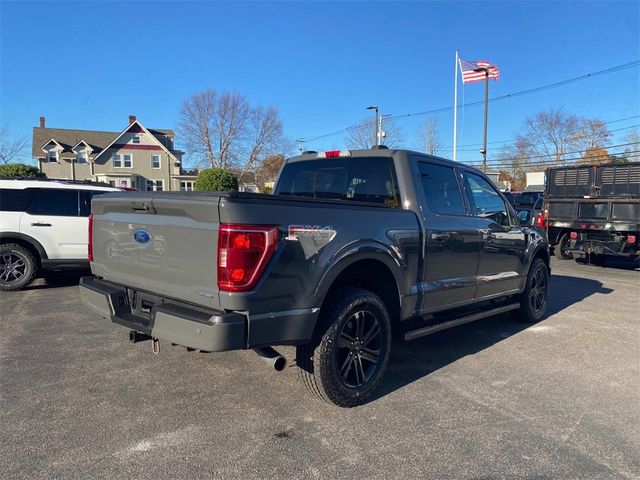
{"x": 82, "y": 156}
{"x": 112, "y": 183}
{"x": 186, "y": 186}
{"x": 128, "y": 160}
{"x": 117, "y": 161}
{"x": 155, "y": 185}
{"x": 135, "y": 139}
{"x": 155, "y": 161}
{"x": 52, "y": 155}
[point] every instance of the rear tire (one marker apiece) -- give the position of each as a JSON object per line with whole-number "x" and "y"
{"x": 561, "y": 250}
{"x": 533, "y": 300}
{"x": 345, "y": 361}
{"x": 18, "y": 267}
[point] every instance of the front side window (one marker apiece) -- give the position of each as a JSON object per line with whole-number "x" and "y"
{"x": 485, "y": 200}
{"x": 56, "y": 202}
{"x": 155, "y": 161}
{"x": 117, "y": 160}
{"x": 127, "y": 159}
{"x": 356, "y": 179}
{"x": 155, "y": 185}
{"x": 441, "y": 189}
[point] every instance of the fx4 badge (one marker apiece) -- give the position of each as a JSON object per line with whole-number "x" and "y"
{"x": 312, "y": 238}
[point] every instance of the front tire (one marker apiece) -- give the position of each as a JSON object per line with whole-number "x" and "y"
{"x": 17, "y": 267}
{"x": 345, "y": 361}
{"x": 533, "y": 300}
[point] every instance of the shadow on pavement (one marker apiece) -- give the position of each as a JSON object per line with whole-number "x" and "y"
{"x": 612, "y": 262}
{"x": 410, "y": 361}
{"x": 58, "y": 279}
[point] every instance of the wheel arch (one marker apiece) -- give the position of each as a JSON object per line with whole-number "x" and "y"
{"x": 27, "y": 242}
{"x": 376, "y": 273}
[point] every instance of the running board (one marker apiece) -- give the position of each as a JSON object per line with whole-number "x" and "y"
{"x": 424, "y": 331}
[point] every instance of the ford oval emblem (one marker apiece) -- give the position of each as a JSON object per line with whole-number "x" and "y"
{"x": 142, "y": 236}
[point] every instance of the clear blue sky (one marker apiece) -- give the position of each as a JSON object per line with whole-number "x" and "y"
{"x": 88, "y": 65}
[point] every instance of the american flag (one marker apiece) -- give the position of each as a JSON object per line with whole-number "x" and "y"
{"x": 470, "y": 75}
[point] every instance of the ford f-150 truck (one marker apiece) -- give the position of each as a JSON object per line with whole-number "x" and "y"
{"x": 350, "y": 246}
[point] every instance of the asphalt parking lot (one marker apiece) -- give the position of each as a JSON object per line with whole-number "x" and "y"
{"x": 494, "y": 399}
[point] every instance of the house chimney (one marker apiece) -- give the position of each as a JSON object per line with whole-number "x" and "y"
{"x": 132, "y": 118}
{"x": 42, "y": 122}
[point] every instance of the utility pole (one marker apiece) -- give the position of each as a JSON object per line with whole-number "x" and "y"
{"x": 376, "y": 140}
{"x": 301, "y": 144}
{"x": 486, "y": 116}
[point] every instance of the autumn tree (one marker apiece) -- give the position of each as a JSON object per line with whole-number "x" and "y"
{"x": 362, "y": 135}
{"x": 10, "y": 148}
{"x": 428, "y": 137}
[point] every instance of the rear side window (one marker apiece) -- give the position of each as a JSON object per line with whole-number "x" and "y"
{"x": 441, "y": 189}
{"x": 358, "y": 179}
{"x": 56, "y": 202}
{"x": 85, "y": 200}
{"x": 15, "y": 200}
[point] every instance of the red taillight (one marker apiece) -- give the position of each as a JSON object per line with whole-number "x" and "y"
{"x": 540, "y": 221}
{"x": 243, "y": 253}
{"x": 631, "y": 239}
{"x": 90, "y": 251}
{"x": 574, "y": 235}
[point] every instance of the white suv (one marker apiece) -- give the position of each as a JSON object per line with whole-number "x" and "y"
{"x": 43, "y": 226}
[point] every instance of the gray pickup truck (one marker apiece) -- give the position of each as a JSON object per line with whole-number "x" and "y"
{"x": 351, "y": 245}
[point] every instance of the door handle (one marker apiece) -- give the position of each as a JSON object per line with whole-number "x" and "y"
{"x": 39, "y": 224}
{"x": 440, "y": 237}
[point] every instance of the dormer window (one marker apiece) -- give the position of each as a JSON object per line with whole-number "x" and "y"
{"x": 82, "y": 156}
{"x": 52, "y": 155}
{"x": 135, "y": 139}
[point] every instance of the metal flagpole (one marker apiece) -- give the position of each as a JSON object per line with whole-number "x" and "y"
{"x": 455, "y": 107}
{"x": 486, "y": 110}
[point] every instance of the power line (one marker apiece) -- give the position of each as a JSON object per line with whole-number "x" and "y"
{"x": 510, "y": 163}
{"x": 450, "y": 147}
{"x": 549, "y": 86}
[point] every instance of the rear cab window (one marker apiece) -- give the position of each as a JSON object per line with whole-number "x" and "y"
{"x": 359, "y": 179}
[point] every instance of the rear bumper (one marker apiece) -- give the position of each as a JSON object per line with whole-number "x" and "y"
{"x": 198, "y": 328}
{"x": 189, "y": 327}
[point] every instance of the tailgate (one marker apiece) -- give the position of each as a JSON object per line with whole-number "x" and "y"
{"x": 162, "y": 243}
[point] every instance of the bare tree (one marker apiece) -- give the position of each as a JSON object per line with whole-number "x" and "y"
{"x": 265, "y": 136}
{"x": 227, "y": 132}
{"x": 511, "y": 161}
{"x": 10, "y": 148}
{"x": 592, "y": 133}
{"x": 549, "y": 135}
{"x": 428, "y": 138}
{"x": 632, "y": 151}
{"x": 362, "y": 135}
{"x": 213, "y": 124}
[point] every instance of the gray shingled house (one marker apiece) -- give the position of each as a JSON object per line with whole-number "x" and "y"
{"x": 136, "y": 157}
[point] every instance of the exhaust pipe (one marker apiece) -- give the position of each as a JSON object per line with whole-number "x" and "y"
{"x": 272, "y": 358}
{"x": 135, "y": 337}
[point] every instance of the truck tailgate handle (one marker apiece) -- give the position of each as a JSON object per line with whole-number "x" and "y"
{"x": 144, "y": 207}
